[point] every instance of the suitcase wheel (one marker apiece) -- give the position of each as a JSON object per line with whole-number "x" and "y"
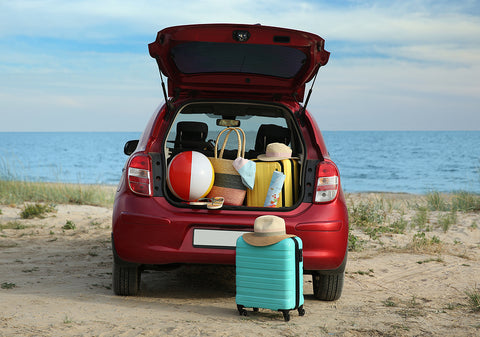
{"x": 241, "y": 310}
{"x": 286, "y": 315}
{"x": 301, "y": 311}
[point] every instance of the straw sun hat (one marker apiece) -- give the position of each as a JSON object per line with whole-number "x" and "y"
{"x": 267, "y": 230}
{"x": 276, "y": 151}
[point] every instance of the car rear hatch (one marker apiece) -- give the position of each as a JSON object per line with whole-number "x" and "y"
{"x": 238, "y": 58}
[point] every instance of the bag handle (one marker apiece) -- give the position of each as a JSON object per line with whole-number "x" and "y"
{"x": 242, "y": 147}
{"x": 241, "y": 144}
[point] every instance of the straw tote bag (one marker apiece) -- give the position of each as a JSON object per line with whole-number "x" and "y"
{"x": 228, "y": 183}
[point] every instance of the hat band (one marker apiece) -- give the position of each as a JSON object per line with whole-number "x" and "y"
{"x": 270, "y": 233}
{"x": 278, "y": 154}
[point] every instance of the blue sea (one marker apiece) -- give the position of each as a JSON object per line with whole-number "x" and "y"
{"x": 385, "y": 161}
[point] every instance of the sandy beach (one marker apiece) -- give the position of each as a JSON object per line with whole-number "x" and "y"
{"x": 55, "y": 276}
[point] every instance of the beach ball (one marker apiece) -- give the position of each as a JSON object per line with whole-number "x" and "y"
{"x": 190, "y": 175}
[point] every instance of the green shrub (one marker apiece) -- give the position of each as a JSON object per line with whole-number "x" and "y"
{"x": 8, "y": 285}
{"x": 354, "y": 243}
{"x": 36, "y": 211}
{"x": 69, "y": 224}
{"x": 12, "y": 225}
{"x": 366, "y": 214}
{"x": 398, "y": 226}
{"x": 420, "y": 243}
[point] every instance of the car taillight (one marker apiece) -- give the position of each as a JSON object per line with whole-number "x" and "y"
{"x": 327, "y": 182}
{"x": 139, "y": 173}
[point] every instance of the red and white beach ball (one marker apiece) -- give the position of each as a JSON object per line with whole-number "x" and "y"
{"x": 190, "y": 175}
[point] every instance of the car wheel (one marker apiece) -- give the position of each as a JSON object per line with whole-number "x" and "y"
{"x": 328, "y": 287}
{"x": 126, "y": 280}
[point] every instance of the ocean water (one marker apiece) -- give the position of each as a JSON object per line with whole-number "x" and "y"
{"x": 72, "y": 157}
{"x": 387, "y": 161}
{"x": 407, "y": 161}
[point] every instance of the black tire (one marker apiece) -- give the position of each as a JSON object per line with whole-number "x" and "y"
{"x": 328, "y": 287}
{"x": 126, "y": 280}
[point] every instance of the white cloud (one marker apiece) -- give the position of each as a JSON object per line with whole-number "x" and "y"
{"x": 389, "y": 95}
{"x": 400, "y": 64}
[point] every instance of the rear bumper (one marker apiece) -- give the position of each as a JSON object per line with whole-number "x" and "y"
{"x": 153, "y": 232}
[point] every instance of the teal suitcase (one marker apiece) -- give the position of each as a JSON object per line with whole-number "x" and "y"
{"x": 270, "y": 277}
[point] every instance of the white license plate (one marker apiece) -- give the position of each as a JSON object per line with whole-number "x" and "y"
{"x": 216, "y": 238}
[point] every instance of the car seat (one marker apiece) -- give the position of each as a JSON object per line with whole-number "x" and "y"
{"x": 269, "y": 133}
{"x": 191, "y": 136}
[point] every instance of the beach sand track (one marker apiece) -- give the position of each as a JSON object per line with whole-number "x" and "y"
{"x": 60, "y": 285}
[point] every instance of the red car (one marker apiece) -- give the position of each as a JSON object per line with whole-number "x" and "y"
{"x": 229, "y": 75}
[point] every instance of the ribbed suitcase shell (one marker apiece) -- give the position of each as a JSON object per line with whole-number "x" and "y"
{"x": 263, "y": 175}
{"x": 269, "y": 277}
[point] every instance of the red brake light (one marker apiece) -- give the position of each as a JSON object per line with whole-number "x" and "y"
{"x": 139, "y": 175}
{"x": 326, "y": 188}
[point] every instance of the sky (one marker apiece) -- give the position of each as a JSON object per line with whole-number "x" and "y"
{"x": 394, "y": 65}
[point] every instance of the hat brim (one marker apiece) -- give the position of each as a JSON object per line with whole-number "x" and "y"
{"x": 259, "y": 241}
{"x": 263, "y": 157}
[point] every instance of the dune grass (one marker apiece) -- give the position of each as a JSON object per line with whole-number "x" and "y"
{"x": 460, "y": 201}
{"x": 474, "y": 299}
{"x": 365, "y": 215}
{"x": 379, "y": 215}
{"x": 18, "y": 192}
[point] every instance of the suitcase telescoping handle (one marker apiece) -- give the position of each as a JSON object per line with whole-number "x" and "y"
{"x": 300, "y": 255}
{"x": 298, "y": 259}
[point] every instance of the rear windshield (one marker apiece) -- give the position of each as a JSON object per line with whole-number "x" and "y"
{"x": 197, "y": 126}
{"x": 213, "y": 57}
{"x": 250, "y": 126}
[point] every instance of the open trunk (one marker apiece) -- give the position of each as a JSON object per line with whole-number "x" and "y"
{"x": 196, "y": 127}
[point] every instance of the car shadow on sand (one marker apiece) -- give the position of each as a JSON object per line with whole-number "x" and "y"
{"x": 190, "y": 281}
